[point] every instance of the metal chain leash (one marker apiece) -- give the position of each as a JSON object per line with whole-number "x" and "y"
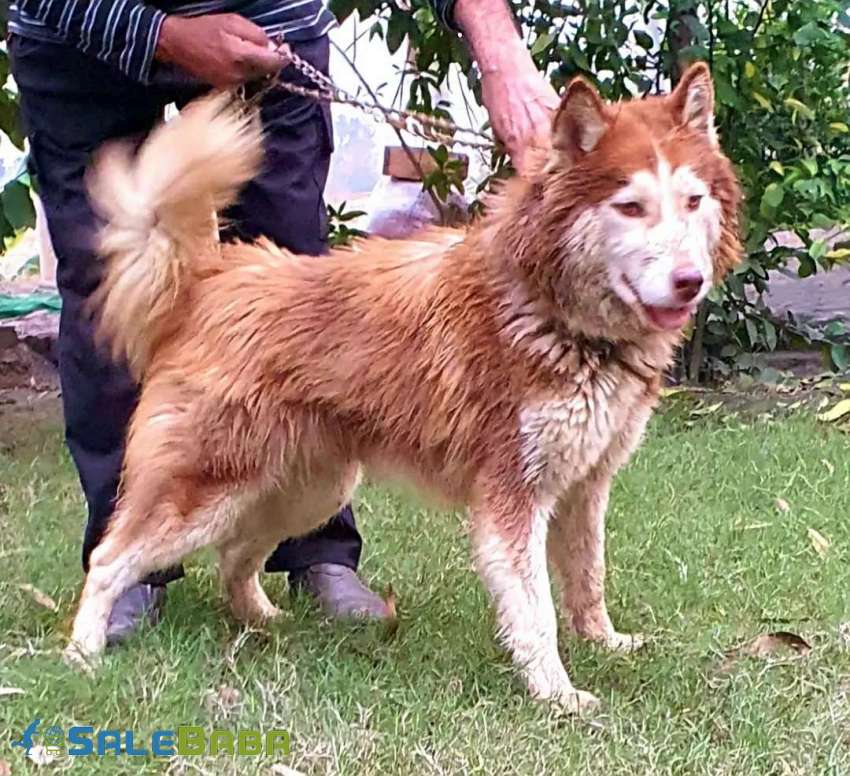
{"x": 431, "y": 128}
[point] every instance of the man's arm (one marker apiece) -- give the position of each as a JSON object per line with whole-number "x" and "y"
{"x": 517, "y": 96}
{"x": 218, "y": 49}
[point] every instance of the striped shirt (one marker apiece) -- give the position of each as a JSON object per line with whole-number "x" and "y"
{"x": 124, "y": 33}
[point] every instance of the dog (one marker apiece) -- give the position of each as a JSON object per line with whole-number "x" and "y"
{"x": 511, "y": 369}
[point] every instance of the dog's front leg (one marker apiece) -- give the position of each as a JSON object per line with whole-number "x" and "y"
{"x": 509, "y": 541}
{"x": 576, "y": 548}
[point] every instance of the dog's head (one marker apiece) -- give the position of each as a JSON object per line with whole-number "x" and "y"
{"x": 636, "y": 209}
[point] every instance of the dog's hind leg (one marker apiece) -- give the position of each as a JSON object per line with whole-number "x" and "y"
{"x": 241, "y": 555}
{"x": 576, "y": 548}
{"x": 138, "y": 542}
{"x": 509, "y": 542}
{"x": 278, "y": 515}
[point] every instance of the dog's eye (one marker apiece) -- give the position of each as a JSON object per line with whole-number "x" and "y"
{"x": 693, "y": 201}
{"x": 631, "y": 209}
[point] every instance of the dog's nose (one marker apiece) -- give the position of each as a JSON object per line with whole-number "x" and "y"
{"x": 687, "y": 282}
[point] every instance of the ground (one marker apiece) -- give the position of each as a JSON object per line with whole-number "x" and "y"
{"x": 725, "y": 526}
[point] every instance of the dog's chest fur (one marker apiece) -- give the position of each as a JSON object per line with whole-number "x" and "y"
{"x": 601, "y": 413}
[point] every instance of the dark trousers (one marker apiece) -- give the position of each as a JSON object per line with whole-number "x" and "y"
{"x": 71, "y": 104}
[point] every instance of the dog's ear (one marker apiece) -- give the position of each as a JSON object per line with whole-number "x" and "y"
{"x": 693, "y": 101}
{"x": 581, "y": 121}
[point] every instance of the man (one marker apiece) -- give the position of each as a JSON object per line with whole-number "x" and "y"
{"x": 90, "y": 71}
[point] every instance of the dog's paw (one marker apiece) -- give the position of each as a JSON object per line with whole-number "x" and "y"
{"x": 624, "y": 642}
{"x": 76, "y": 657}
{"x": 576, "y": 702}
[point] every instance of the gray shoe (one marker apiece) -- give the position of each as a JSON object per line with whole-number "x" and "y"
{"x": 141, "y": 602}
{"x": 340, "y": 592}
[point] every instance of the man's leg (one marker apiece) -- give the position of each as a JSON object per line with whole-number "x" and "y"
{"x": 285, "y": 203}
{"x": 71, "y": 104}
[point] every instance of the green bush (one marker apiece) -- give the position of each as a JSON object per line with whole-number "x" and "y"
{"x": 781, "y": 74}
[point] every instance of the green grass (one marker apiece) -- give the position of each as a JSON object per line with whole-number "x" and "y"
{"x": 700, "y": 559}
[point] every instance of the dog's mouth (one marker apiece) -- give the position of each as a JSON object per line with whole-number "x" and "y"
{"x": 661, "y": 317}
{"x": 667, "y": 318}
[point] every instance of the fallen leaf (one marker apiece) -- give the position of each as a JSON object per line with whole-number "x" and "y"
{"x": 768, "y": 644}
{"x": 285, "y": 770}
{"x": 42, "y": 599}
{"x": 40, "y": 756}
{"x": 5, "y": 768}
{"x": 829, "y": 467}
{"x": 672, "y": 391}
{"x": 223, "y": 700}
{"x": 5, "y": 691}
{"x": 819, "y": 542}
{"x": 836, "y": 412}
{"x": 765, "y": 646}
{"x": 782, "y": 505}
{"x": 392, "y": 612}
{"x": 707, "y": 410}
{"x": 844, "y": 635}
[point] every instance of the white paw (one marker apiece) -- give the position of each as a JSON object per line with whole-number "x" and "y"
{"x": 575, "y": 701}
{"x": 80, "y": 659}
{"x": 624, "y": 642}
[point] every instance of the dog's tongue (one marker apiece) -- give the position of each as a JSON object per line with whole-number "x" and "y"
{"x": 668, "y": 317}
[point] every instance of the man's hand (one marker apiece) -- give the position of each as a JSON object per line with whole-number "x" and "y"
{"x": 219, "y": 49}
{"x": 521, "y": 104}
{"x": 518, "y": 98}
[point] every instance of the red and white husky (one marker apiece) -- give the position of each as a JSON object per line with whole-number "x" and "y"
{"x": 511, "y": 369}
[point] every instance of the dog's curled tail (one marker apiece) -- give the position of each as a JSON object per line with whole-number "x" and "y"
{"x": 159, "y": 210}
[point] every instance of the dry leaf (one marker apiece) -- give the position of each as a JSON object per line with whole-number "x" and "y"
{"x": 819, "y": 542}
{"x": 837, "y": 412}
{"x": 782, "y": 505}
{"x": 223, "y": 700}
{"x": 844, "y": 635}
{"x": 768, "y": 644}
{"x": 829, "y": 467}
{"x": 5, "y": 691}
{"x": 5, "y": 768}
{"x": 765, "y": 646}
{"x": 392, "y": 612}
{"x": 844, "y": 387}
{"x": 285, "y": 770}
{"x": 707, "y": 410}
{"x": 672, "y": 391}
{"x": 42, "y": 599}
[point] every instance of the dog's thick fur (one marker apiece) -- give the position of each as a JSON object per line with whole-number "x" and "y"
{"x": 511, "y": 369}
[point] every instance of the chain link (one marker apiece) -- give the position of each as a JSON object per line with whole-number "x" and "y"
{"x": 431, "y": 128}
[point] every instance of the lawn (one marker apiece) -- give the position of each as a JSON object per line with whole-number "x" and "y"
{"x": 710, "y": 545}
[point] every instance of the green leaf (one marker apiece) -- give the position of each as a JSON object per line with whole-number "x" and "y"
{"x": 770, "y": 337}
{"x": 752, "y": 331}
{"x": 810, "y": 165}
{"x": 397, "y": 29}
{"x": 771, "y": 198}
{"x": 17, "y": 205}
{"x": 818, "y": 249}
{"x": 807, "y": 267}
{"x": 644, "y": 40}
{"x": 763, "y": 101}
{"x": 840, "y": 355}
{"x": 777, "y": 168}
{"x": 542, "y": 43}
{"x": 839, "y": 126}
{"x": 799, "y": 107}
